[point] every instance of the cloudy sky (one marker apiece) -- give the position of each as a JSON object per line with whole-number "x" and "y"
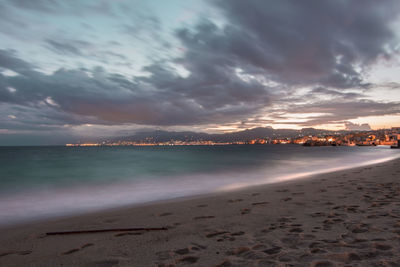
{"x": 76, "y": 69}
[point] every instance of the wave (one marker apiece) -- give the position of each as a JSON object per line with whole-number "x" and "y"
{"x": 54, "y": 202}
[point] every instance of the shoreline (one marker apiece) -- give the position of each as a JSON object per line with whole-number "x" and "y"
{"x": 245, "y": 226}
{"x": 302, "y": 178}
{"x": 219, "y": 190}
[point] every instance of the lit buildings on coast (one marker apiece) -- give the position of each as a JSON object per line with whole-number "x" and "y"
{"x": 365, "y": 138}
{"x": 387, "y": 137}
{"x": 169, "y": 143}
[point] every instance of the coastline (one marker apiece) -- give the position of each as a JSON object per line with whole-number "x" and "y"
{"x": 347, "y": 216}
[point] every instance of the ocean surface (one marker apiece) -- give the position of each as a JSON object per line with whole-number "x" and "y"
{"x": 44, "y": 182}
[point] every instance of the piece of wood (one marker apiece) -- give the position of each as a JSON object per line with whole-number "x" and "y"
{"x": 107, "y": 230}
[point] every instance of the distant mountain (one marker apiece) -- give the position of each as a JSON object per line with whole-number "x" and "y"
{"x": 245, "y": 135}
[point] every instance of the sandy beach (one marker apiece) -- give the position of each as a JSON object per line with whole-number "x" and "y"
{"x": 346, "y": 218}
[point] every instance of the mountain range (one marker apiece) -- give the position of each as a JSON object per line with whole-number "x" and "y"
{"x": 245, "y": 135}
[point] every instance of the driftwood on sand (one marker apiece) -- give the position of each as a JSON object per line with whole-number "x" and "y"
{"x": 107, "y": 230}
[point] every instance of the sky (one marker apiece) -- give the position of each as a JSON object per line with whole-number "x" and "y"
{"x": 81, "y": 69}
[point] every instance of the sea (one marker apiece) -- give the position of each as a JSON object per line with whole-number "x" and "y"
{"x": 38, "y": 183}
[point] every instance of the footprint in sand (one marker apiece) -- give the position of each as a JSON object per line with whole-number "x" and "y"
{"x": 182, "y": 255}
{"x": 238, "y": 251}
{"x": 382, "y": 246}
{"x": 317, "y": 251}
{"x": 296, "y": 230}
{"x": 235, "y": 200}
{"x": 165, "y": 214}
{"x": 273, "y": 250}
{"x": 163, "y": 255}
{"x": 286, "y": 219}
{"x": 216, "y": 233}
{"x": 197, "y": 246}
{"x": 360, "y": 228}
{"x": 282, "y": 191}
{"x": 318, "y": 214}
{"x": 182, "y": 251}
{"x": 128, "y": 233}
{"x": 238, "y": 233}
{"x": 259, "y": 203}
{"x": 252, "y": 255}
{"x": 188, "y": 259}
{"x": 204, "y": 217}
{"x": 270, "y": 228}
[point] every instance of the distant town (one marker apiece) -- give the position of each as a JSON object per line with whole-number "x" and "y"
{"x": 388, "y": 137}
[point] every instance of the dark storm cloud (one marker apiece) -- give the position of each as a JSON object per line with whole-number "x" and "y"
{"x": 318, "y": 44}
{"x": 309, "y": 42}
{"x": 96, "y": 96}
{"x": 212, "y": 83}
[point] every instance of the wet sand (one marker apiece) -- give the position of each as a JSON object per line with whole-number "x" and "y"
{"x": 346, "y": 218}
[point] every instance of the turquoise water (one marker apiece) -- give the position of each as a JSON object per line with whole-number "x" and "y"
{"x": 40, "y": 182}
